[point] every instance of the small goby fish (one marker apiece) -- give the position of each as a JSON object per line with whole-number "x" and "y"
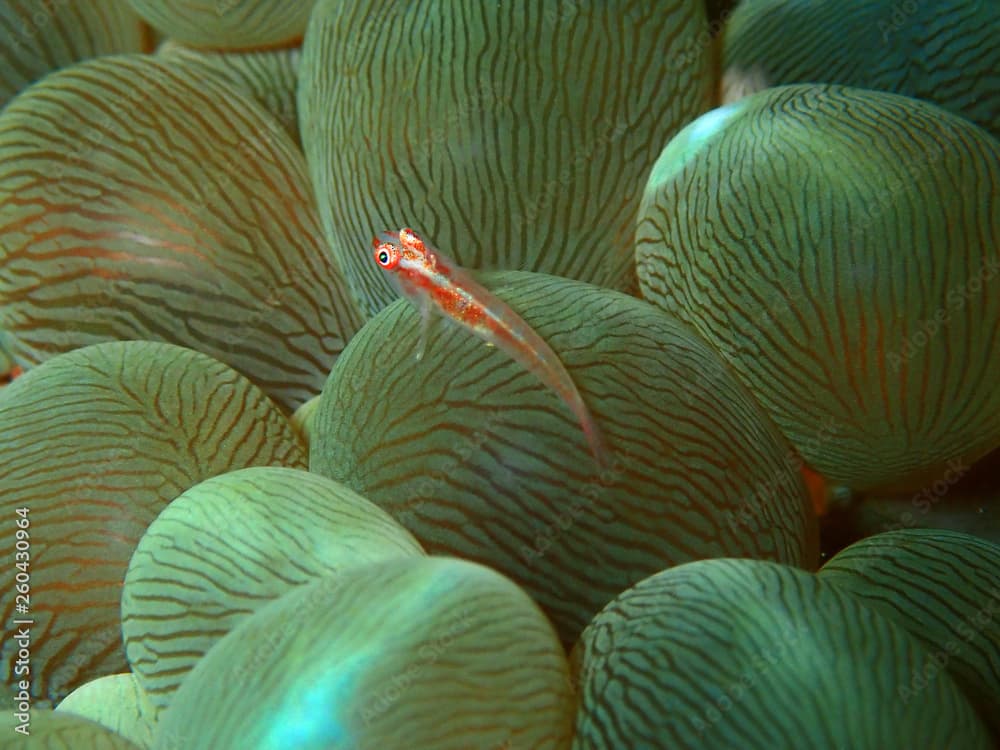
{"x": 430, "y": 280}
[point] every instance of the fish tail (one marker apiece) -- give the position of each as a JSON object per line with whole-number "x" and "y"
{"x": 595, "y": 438}
{"x": 598, "y": 447}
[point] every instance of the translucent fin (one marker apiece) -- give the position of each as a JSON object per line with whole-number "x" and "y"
{"x": 426, "y": 317}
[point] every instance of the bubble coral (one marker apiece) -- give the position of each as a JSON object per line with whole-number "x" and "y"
{"x": 404, "y": 653}
{"x": 480, "y": 460}
{"x": 141, "y": 199}
{"x": 802, "y": 231}
{"x": 944, "y": 52}
{"x": 743, "y": 653}
{"x": 95, "y": 443}
{"x": 526, "y": 155}
{"x": 228, "y": 546}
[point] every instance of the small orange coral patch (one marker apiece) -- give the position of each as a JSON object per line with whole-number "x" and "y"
{"x": 818, "y": 489}
{"x": 12, "y": 373}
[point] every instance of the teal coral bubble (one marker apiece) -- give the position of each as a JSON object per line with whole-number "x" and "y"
{"x": 943, "y": 587}
{"x": 725, "y": 653}
{"x": 423, "y": 653}
{"x": 226, "y": 547}
{"x": 37, "y": 38}
{"x": 808, "y": 240}
{"x": 141, "y": 198}
{"x": 532, "y": 158}
{"x": 479, "y": 459}
{"x": 95, "y": 443}
{"x": 227, "y": 24}
{"x": 943, "y": 52}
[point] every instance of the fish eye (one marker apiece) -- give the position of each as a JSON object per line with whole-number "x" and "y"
{"x": 386, "y": 255}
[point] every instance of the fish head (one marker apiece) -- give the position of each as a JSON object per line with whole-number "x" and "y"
{"x": 403, "y": 252}
{"x": 386, "y": 251}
